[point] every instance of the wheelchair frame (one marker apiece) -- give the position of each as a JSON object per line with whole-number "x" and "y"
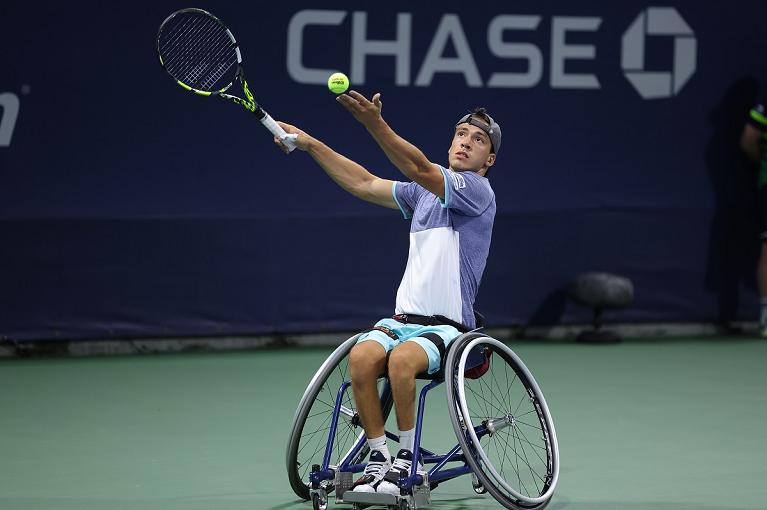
{"x": 464, "y": 352}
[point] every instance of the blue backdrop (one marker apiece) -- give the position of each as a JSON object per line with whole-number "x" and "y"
{"x": 129, "y": 207}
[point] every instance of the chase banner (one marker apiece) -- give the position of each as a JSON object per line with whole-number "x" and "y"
{"x": 131, "y": 207}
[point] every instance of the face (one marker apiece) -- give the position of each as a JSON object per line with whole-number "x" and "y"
{"x": 470, "y": 150}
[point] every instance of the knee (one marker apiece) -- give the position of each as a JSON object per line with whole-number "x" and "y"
{"x": 403, "y": 365}
{"x": 366, "y": 361}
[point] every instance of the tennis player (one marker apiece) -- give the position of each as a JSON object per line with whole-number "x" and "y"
{"x": 451, "y": 211}
{"x": 753, "y": 141}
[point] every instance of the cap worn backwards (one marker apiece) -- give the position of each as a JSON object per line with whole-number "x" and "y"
{"x": 493, "y": 130}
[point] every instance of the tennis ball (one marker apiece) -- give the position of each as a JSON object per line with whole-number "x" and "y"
{"x": 338, "y": 83}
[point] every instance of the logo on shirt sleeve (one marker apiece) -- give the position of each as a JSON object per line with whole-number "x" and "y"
{"x": 459, "y": 181}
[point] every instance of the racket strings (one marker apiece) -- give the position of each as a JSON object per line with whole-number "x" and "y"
{"x": 198, "y": 51}
{"x": 223, "y": 56}
{"x": 175, "y": 35}
{"x": 180, "y": 40}
{"x": 201, "y": 54}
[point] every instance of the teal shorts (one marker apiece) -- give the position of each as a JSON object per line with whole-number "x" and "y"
{"x": 413, "y": 333}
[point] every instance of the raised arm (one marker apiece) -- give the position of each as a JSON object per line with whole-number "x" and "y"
{"x": 404, "y": 155}
{"x": 348, "y": 174}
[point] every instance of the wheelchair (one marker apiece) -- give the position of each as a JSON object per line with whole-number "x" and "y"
{"x": 505, "y": 433}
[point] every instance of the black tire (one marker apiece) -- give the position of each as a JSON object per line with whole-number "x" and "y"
{"x": 519, "y": 463}
{"x": 309, "y": 432}
{"x": 317, "y": 503}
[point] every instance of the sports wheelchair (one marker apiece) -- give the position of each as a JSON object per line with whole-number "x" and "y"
{"x": 505, "y": 433}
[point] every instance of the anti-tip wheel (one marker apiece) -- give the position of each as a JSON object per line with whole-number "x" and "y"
{"x": 319, "y": 503}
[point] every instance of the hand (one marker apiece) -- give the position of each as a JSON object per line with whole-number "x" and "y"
{"x": 367, "y": 112}
{"x": 301, "y": 141}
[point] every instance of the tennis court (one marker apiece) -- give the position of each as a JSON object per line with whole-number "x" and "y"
{"x": 646, "y": 424}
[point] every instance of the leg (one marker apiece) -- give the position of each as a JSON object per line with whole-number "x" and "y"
{"x": 366, "y": 362}
{"x": 761, "y": 272}
{"x": 407, "y": 360}
{"x": 761, "y": 277}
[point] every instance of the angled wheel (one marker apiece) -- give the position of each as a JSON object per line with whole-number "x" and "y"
{"x": 311, "y": 423}
{"x": 502, "y": 422}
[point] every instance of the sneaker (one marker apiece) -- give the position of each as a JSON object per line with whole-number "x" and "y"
{"x": 401, "y": 467}
{"x": 377, "y": 467}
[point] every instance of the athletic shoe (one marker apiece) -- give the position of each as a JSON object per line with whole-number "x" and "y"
{"x": 377, "y": 467}
{"x": 401, "y": 467}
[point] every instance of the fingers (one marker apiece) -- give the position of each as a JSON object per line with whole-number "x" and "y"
{"x": 363, "y": 110}
{"x": 359, "y": 97}
{"x": 281, "y": 145}
{"x": 350, "y": 104}
{"x": 356, "y": 102}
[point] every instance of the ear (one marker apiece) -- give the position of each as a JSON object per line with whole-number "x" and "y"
{"x": 490, "y": 161}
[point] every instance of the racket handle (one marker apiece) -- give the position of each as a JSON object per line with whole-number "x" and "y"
{"x": 288, "y": 140}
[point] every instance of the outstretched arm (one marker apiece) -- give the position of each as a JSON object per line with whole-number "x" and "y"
{"x": 404, "y": 155}
{"x": 348, "y": 174}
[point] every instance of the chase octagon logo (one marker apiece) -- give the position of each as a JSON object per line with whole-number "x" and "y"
{"x": 658, "y": 21}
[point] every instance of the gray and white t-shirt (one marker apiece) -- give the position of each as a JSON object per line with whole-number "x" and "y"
{"x": 449, "y": 243}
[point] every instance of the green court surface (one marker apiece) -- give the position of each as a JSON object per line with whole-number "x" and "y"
{"x": 661, "y": 425}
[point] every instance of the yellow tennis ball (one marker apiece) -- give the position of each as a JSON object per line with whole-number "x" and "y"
{"x": 338, "y": 83}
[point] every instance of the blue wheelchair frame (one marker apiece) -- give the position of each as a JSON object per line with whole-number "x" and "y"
{"x": 435, "y": 475}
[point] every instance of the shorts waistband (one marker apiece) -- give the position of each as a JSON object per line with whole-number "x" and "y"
{"x": 429, "y": 320}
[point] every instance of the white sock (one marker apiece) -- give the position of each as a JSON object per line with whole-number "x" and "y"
{"x": 379, "y": 443}
{"x": 407, "y": 439}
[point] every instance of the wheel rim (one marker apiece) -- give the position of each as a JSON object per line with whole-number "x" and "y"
{"x": 521, "y": 456}
{"x": 311, "y": 427}
{"x": 314, "y": 433}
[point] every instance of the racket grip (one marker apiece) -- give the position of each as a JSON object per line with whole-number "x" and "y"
{"x": 288, "y": 140}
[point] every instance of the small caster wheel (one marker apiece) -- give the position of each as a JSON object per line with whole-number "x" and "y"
{"x": 403, "y": 504}
{"x": 319, "y": 502}
{"x": 477, "y": 485}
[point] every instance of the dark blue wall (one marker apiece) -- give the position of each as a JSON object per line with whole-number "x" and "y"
{"x": 129, "y": 207}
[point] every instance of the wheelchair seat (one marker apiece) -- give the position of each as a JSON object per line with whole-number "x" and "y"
{"x": 477, "y": 363}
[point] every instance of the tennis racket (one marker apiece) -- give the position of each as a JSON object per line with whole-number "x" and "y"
{"x": 201, "y": 55}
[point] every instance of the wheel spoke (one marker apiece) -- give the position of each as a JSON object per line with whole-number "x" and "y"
{"x": 516, "y": 459}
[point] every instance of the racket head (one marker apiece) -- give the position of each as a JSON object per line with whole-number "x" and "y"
{"x": 198, "y": 51}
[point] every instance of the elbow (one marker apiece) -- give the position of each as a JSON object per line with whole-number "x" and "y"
{"x": 423, "y": 167}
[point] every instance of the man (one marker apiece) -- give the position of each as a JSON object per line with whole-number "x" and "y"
{"x": 753, "y": 141}
{"x": 452, "y": 211}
